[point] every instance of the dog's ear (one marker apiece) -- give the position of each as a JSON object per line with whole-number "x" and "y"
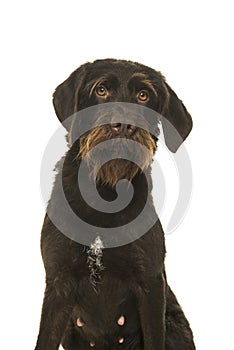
{"x": 65, "y": 97}
{"x": 177, "y": 122}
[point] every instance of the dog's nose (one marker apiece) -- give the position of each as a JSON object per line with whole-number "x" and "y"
{"x": 123, "y": 129}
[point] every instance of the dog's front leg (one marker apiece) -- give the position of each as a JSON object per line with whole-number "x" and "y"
{"x": 152, "y": 314}
{"x": 56, "y": 311}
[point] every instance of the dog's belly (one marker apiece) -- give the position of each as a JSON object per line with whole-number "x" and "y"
{"x": 108, "y": 314}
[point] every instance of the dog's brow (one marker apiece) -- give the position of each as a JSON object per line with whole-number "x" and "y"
{"x": 148, "y": 83}
{"x": 139, "y": 75}
{"x": 97, "y": 82}
{"x": 144, "y": 80}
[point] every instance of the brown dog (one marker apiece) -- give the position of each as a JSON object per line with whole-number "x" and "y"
{"x": 118, "y": 297}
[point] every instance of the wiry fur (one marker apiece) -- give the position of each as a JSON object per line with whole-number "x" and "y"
{"x": 116, "y": 169}
{"x": 133, "y": 282}
{"x": 94, "y": 261}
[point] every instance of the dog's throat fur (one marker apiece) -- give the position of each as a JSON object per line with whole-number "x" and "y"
{"x": 94, "y": 261}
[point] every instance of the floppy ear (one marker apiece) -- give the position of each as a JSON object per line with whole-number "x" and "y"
{"x": 177, "y": 122}
{"x": 65, "y": 97}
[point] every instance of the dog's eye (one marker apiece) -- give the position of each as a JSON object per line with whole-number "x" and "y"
{"x": 143, "y": 96}
{"x": 101, "y": 91}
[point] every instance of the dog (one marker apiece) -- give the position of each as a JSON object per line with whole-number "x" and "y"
{"x": 118, "y": 297}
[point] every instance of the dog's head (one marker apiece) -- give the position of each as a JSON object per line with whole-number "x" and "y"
{"x": 112, "y": 80}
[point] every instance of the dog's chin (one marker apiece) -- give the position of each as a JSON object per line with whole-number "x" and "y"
{"x": 107, "y": 167}
{"x": 113, "y": 171}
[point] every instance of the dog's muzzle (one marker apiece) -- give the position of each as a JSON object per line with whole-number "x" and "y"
{"x": 127, "y": 133}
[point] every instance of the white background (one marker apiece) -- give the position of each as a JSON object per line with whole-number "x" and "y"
{"x": 191, "y": 42}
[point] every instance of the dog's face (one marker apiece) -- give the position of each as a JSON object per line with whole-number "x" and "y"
{"x": 110, "y": 80}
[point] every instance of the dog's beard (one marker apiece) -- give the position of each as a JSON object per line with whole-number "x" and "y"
{"x": 116, "y": 168}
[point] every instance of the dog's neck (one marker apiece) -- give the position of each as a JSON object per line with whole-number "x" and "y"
{"x": 67, "y": 197}
{"x": 141, "y": 186}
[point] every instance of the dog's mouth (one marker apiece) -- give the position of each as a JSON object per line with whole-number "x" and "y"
{"x": 116, "y": 154}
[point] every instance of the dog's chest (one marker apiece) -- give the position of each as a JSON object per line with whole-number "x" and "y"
{"x": 126, "y": 264}
{"x": 106, "y": 293}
